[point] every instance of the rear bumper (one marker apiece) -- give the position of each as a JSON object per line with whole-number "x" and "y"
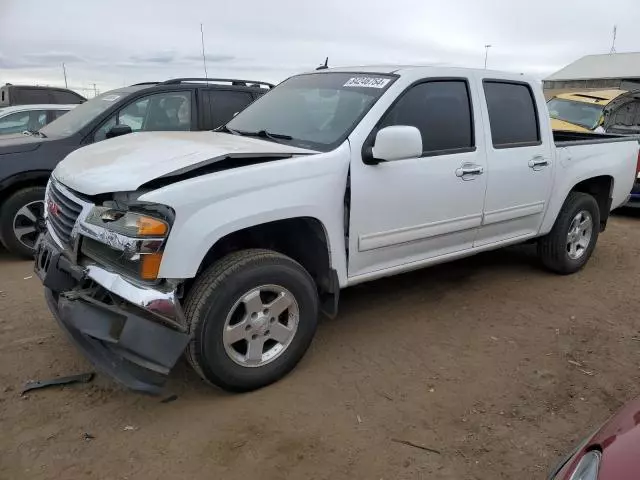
{"x": 634, "y": 200}
{"x": 123, "y": 342}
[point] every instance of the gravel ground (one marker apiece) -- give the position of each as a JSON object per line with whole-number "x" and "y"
{"x": 495, "y": 365}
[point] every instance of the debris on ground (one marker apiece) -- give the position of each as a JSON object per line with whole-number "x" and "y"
{"x": 80, "y": 378}
{"x": 169, "y": 399}
{"x": 129, "y": 428}
{"x": 415, "y": 445}
{"x": 27, "y": 278}
{"x": 573, "y": 362}
{"x": 87, "y": 436}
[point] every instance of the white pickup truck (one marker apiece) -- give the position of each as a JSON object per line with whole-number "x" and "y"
{"x": 226, "y": 245}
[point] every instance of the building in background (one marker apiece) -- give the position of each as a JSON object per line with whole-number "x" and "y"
{"x": 596, "y": 72}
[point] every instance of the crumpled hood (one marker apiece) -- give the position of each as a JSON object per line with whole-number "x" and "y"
{"x": 125, "y": 163}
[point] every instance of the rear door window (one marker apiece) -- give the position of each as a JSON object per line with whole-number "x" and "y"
{"x": 64, "y": 97}
{"x": 512, "y": 114}
{"x": 224, "y": 104}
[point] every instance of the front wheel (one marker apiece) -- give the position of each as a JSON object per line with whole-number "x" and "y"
{"x": 21, "y": 220}
{"x": 252, "y": 316}
{"x": 567, "y": 248}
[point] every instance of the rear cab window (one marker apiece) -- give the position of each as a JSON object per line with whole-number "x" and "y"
{"x": 513, "y": 115}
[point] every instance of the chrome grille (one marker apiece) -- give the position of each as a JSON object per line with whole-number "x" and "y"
{"x": 62, "y": 213}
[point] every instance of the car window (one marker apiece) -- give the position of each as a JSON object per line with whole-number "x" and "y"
{"x": 512, "y": 114}
{"x": 224, "y": 104}
{"x": 38, "y": 119}
{"x": 84, "y": 114}
{"x": 160, "y": 111}
{"x": 58, "y": 113}
{"x": 14, "y": 123}
{"x": 60, "y": 96}
{"x": 30, "y": 96}
{"x": 318, "y": 110}
{"x": 441, "y": 110}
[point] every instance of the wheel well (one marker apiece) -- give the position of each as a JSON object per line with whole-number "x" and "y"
{"x": 303, "y": 239}
{"x": 23, "y": 180}
{"x": 599, "y": 188}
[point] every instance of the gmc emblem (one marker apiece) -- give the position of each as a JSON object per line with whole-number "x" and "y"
{"x": 53, "y": 208}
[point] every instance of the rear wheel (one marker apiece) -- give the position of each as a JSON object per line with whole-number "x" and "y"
{"x": 252, "y": 315}
{"x": 569, "y": 245}
{"x": 21, "y": 220}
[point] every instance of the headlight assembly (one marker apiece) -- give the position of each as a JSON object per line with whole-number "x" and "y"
{"x": 131, "y": 242}
{"x": 588, "y": 466}
{"x": 129, "y": 224}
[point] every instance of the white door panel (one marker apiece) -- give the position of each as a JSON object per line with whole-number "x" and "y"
{"x": 409, "y": 210}
{"x": 519, "y": 164}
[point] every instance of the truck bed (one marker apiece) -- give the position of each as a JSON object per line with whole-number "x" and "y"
{"x": 567, "y": 138}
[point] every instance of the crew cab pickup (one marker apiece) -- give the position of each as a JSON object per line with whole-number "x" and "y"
{"x": 226, "y": 245}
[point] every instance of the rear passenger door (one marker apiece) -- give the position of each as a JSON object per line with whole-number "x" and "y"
{"x": 519, "y": 160}
{"x": 219, "y": 106}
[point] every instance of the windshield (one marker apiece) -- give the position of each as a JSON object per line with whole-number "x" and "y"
{"x": 583, "y": 114}
{"x": 82, "y": 115}
{"x": 318, "y": 111}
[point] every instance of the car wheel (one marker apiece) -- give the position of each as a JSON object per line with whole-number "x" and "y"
{"x": 567, "y": 248}
{"x": 252, "y": 316}
{"x": 21, "y": 220}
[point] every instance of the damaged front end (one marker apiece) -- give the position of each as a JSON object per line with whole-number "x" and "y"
{"x": 99, "y": 265}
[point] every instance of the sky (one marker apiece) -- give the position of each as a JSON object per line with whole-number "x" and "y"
{"x": 116, "y": 43}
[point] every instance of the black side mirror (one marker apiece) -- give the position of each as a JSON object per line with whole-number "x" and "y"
{"x": 118, "y": 130}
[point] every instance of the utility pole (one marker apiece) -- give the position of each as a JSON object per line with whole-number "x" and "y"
{"x": 486, "y": 54}
{"x": 204, "y": 59}
{"x": 95, "y": 90}
{"x": 613, "y": 41}
{"x": 64, "y": 71}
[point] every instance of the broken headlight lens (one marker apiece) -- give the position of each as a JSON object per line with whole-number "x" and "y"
{"x": 129, "y": 224}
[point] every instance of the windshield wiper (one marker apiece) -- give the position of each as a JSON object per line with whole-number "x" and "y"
{"x": 225, "y": 129}
{"x": 35, "y": 133}
{"x": 264, "y": 134}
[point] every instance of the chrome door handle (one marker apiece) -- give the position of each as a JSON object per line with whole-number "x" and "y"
{"x": 468, "y": 171}
{"x": 538, "y": 162}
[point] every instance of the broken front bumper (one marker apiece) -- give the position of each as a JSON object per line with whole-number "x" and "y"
{"x": 130, "y": 333}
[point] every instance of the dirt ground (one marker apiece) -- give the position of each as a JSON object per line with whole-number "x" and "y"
{"x": 497, "y": 365}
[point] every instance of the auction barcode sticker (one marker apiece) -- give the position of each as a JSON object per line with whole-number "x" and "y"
{"x": 367, "y": 82}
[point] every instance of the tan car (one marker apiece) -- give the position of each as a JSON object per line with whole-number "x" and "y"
{"x": 581, "y": 111}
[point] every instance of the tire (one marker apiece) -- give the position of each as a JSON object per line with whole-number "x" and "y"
{"x": 221, "y": 293}
{"x": 32, "y": 199}
{"x": 555, "y": 250}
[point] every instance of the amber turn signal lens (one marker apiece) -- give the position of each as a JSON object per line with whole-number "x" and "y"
{"x": 148, "y": 226}
{"x": 150, "y": 266}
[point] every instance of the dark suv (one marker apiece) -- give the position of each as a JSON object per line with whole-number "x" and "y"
{"x": 11, "y": 95}
{"x": 27, "y": 160}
